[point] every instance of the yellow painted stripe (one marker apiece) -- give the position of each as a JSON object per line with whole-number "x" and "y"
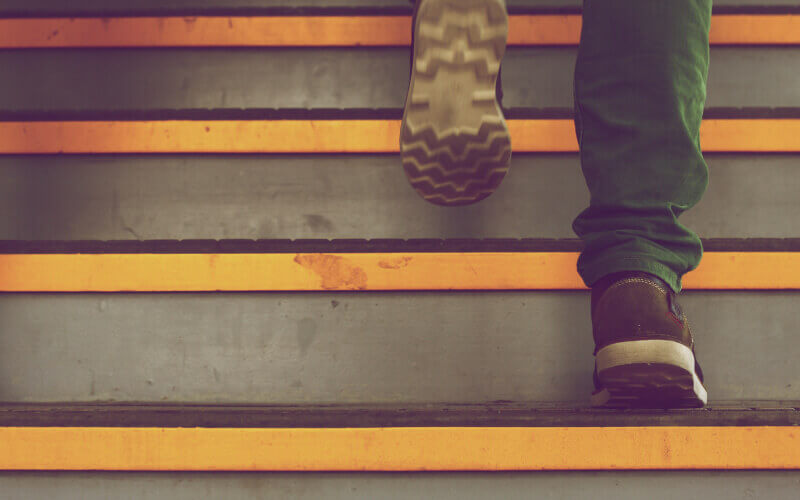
{"x": 755, "y": 30}
{"x": 335, "y": 31}
{"x": 400, "y": 449}
{"x": 337, "y": 136}
{"x": 368, "y": 272}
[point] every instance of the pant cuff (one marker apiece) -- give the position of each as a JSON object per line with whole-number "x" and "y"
{"x": 593, "y": 273}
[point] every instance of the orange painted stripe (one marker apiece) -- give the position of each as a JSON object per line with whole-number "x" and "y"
{"x": 339, "y": 31}
{"x": 400, "y": 449}
{"x": 367, "y": 272}
{"x": 755, "y": 30}
{"x": 336, "y": 136}
{"x": 300, "y": 31}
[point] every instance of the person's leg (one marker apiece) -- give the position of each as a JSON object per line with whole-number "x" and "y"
{"x": 640, "y": 87}
{"x": 454, "y": 145}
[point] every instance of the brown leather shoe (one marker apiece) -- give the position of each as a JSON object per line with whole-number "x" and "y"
{"x": 644, "y": 354}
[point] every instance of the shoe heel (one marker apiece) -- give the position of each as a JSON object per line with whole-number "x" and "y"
{"x": 648, "y": 374}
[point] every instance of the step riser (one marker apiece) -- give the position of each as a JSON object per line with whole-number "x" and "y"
{"x": 332, "y": 78}
{"x": 577, "y": 485}
{"x": 347, "y": 197}
{"x": 388, "y": 347}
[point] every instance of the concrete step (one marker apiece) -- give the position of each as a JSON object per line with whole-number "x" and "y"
{"x": 496, "y": 414}
{"x": 558, "y": 441}
{"x": 358, "y": 265}
{"x": 773, "y": 133}
{"x": 355, "y": 348}
{"x": 45, "y": 7}
{"x": 361, "y": 348}
{"x": 141, "y": 79}
{"x": 431, "y": 438}
{"x": 195, "y": 197}
{"x": 775, "y": 485}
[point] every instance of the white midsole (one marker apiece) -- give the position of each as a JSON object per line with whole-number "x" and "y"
{"x": 649, "y": 352}
{"x": 645, "y": 351}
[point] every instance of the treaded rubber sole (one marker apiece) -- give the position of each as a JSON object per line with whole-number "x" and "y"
{"x": 455, "y": 146}
{"x": 648, "y": 374}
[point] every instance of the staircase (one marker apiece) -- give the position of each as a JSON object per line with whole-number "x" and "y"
{"x": 212, "y": 264}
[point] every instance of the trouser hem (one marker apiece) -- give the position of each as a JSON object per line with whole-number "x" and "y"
{"x": 595, "y": 272}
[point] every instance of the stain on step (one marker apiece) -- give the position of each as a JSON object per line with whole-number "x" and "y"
{"x": 397, "y": 263}
{"x": 337, "y": 273}
{"x": 318, "y": 223}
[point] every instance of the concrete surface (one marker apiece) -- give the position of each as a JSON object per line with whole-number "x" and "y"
{"x": 743, "y": 485}
{"x": 144, "y": 79}
{"x": 362, "y": 348}
{"x": 113, "y": 5}
{"x": 169, "y": 197}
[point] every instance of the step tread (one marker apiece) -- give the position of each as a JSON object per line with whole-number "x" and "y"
{"x": 305, "y": 29}
{"x": 496, "y": 414}
{"x": 359, "y": 271}
{"x": 332, "y": 136}
{"x": 276, "y": 114}
{"x": 21, "y": 8}
{"x": 356, "y": 246}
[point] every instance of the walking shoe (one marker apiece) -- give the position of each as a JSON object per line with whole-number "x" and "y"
{"x": 644, "y": 348}
{"x": 454, "y": 142}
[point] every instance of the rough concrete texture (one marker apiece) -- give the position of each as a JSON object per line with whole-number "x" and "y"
{"x": 742, "y": 485}
{"x": 144, "y": 79}
{"x": 347, "y": 348}
{"x": 44, "y": 6}
{"x": 217, "y": 197}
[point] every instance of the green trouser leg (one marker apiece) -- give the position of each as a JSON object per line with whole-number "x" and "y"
{"x": 640, "y": 89}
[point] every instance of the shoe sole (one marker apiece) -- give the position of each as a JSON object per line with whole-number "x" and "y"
{"x": 648, "y": 374}
{"x": 455, "y": 145}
